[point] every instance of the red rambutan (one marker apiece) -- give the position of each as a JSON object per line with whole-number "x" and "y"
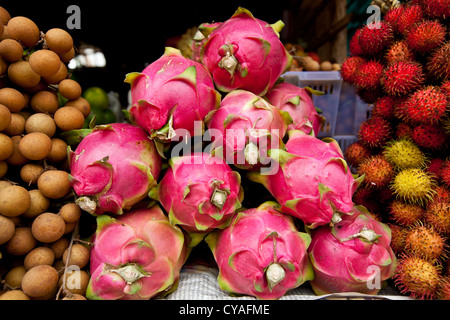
{"x": 356, "y": 153}
{"x": 445, "y": 88}
{"x": 438, "y": 64}
{"x": 426, "y": 36}
{"x": 417, "y": 277}
{"x": 436, "y": 9}
{"x": 368, "y": 75}
{"x": 410, "y": 15}
{"x": 393, "y": 16}
{"x": 375, "y": 131}
{"x": 399, "y": 51}
{"x": 443, "y": 293}
{"x": 401, "y": 78}
{"x": 442, "y": 194}
{"x": 445, "y": 172}
{"x": 398, "y": 236}
{"x": 403, "y": 130}
{"x": 350, "y": 68}
{"x": 427, "y": 105}
{"x": 434, "y": 167}
{"x": 369, "y": 96}
{"x": 354, "y": 48}
{"x": 405, "y": 214}
{"x": 437, "y": 214}
{"x": 378, "y": 172}
{"x": 384, "y": 107}
{"x": 429, "y": 136}
{"x": 425, "y": 242}
{"x": 374, "y": 40}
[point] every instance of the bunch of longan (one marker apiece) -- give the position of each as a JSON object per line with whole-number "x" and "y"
{"x": 38, "y": 217}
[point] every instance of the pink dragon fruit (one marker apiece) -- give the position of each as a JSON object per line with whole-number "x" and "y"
{"x": 203, "y": 31}
{"x": 353, "y": 255}
{"x": 171, "y": 93}
{"x": 311, "y": 181}
{"x": 245, "y": 53}
{"x": 136, "y": 256}
{"x": 113, "y": 168}
{"x": 299, "y": 104}
{"x": 261, "y": 253}
{"x": 244, "y": 127}
{"x": 200, "y": 193}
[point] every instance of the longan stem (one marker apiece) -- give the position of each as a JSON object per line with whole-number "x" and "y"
{"x": 75, "y": 234}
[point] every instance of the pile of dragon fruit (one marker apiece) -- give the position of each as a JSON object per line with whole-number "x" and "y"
{"x": 202, "y": 131}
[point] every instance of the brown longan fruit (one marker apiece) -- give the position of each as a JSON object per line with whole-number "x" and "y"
{"x": 21, "y": 74}
{"x": 81, "y": 104}
{"x": 69, "y": 118}
{"x": 67, "y": 56}
{"x": 31, "y": 172}
{"x": 40, "y": 281}
{"x": 58, "y": 152}
{"x": 35, "y": 145}
{"x": 11, "y": 50}
{"x": 44, "y": 62}
{"x": 7, "y": 228}
{"x": 37, "y": 256}
{"x": 59, "y": 246}
{"x": 3, "y": 168}
{"x": 74, "y": 296}
{"x": 4, "y": 16}
{"x": 76, "y": 281}
{"x": 70, "y": 89}
{"x": 79, "y": 255}
{"x": 60, "y": 75}
{"x": 48, "y": 227}
{"x": 70, "y": 212}
{"x": 14, "y": 276}
{"x": 54, "y": 184}
{"x": 16, "y": 126}
{"x": 12, "y": 98}
{"x": 24, "y": 30}
{"x": 16, "y": 159}
{"x": 14, "y": 201}
{"x": 58, "y": 40}
{"x": 41, "y": 122}
{"x": 21, "y": 242}
{"x": 3, "y": 67}
{"x": 15, "y": 294}
{"x": 5, "y": 117}
{"x": 39, "y": 204}
{"x": 44, "y": 101}
{"x": 4, "y": 184}
{"x": 6, "y": 146}
{"x": 70, "y": 226}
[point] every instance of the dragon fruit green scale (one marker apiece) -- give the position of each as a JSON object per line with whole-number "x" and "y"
{"x": 353, "y": 255}
{"x": 245, "y": 53}
{"x": 136, "y": 256}
{"x": 113, "y": 168}
{"x": 261, "y": 253}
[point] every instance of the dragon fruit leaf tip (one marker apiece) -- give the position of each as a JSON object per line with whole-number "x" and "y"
{"x": 261, "y": 253}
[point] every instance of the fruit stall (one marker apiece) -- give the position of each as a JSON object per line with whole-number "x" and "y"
{"x": 230, "y": 160}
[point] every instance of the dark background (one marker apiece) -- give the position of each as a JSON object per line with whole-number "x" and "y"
{"x": 133, "y": 33}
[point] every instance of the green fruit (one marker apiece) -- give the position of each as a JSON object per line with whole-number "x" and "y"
{"x": 99, "y": 117}
{"x": 110, "y": 116}
{"x": 97, "y": 97}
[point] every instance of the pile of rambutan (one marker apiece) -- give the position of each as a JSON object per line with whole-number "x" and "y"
{"x": 401, "y": 67}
